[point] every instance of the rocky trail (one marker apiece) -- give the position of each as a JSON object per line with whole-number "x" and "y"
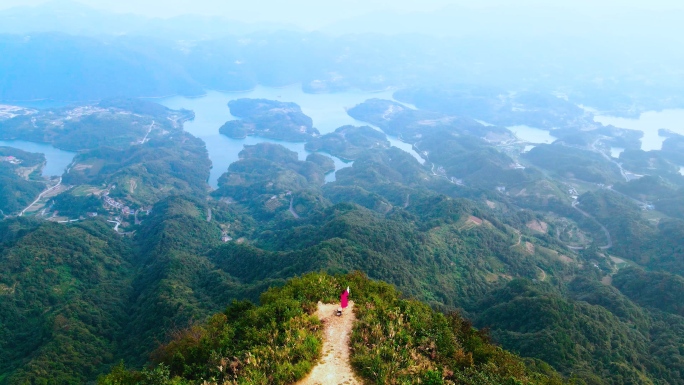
{"x": 334, "y": 367}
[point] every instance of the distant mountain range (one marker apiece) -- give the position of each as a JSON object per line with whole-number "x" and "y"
{"x": 78, "y": 19}
{"x": 64, "y": 50}
{"x": 63, "y": 67}
{"x": 511, "y": 22}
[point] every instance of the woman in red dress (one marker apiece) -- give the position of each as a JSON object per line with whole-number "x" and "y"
{"x": 344, "y": 301}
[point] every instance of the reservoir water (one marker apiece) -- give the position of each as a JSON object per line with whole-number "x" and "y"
{"x": 616, "y": 151}
{"x": 649, "y": 123}
{"x": 328, "y": 112}
{"x": 57, "y": 160}
{"x": 532, "y": 135}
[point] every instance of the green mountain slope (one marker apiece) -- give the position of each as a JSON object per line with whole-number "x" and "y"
{"x": 605, "y": 343}
{"x": 63, "y": 297}
{"x": 19, "y": 182}
{"x": 527, "y": 260}
{"x": 394, "y": 341}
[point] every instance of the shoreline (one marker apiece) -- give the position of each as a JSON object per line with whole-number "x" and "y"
{"x": 7, "y": 143}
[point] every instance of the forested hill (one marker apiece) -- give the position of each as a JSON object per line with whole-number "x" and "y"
{"x": 19, "y": 179}
{"x": 137, "y": 255}
{"x": 394, "y": 341}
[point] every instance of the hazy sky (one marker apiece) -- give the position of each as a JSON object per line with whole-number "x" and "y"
{"x": 316, "y": 13}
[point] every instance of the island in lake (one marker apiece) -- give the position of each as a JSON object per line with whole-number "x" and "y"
{"x": 269, "y": 119}
{"x": 349, "y": 142}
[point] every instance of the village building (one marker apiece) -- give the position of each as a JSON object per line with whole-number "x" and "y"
{"x": 10, "y": 159}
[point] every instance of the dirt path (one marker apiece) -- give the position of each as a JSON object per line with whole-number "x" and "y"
{"x": 543, "y": 274}
{"x": 334, "y": 367}
{"x": 519, "y": 237}
{"x": 143, "y": 140}
{"x": 294, "y": 213}
{"x": 116, "y": 225}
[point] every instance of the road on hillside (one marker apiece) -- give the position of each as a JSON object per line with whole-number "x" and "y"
{"x": 294, "y": 213}
{"x": 40, "y": 196}
{"x": 605, "y": 230}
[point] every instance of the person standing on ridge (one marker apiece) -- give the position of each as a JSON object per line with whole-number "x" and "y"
{"x": 344, "y": 301}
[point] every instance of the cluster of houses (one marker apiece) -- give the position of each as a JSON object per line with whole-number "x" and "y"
{"x": 10, "y": 159}
{"x": 9, "y": 112}
{"x": 118, "y": 205}
{"x": 457, "y": 181}
{"x": 125, "y": 210}
{"x": 516, "y": 166}
{"x": 79, "y": 112}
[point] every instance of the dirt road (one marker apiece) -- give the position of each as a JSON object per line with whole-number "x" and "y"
{"x": 294, "y": 213}
{"x": 40, "y": 196}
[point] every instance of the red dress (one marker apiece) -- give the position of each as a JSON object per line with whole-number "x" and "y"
{"x": 344, "y": 299}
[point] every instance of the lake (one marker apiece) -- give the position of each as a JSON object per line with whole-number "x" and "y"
{"x": 649, "y": 123}
{"x": 532, "y": 135}
{"x": 616, "y": 151}
{"x": 57, "y": 160}
{"x": 328, "y": 112}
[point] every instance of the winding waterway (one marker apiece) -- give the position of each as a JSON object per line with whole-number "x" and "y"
{"x": 328, "y": 112}
{"x": 649, "y": 123}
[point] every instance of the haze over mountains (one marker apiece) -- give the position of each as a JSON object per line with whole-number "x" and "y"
{"x": 486, "y": 20}
{"x": 75, "y": 18}
{"x": 597, "y": 60}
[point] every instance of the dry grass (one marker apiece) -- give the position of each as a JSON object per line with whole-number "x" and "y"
{"x": 538, "y": 226}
